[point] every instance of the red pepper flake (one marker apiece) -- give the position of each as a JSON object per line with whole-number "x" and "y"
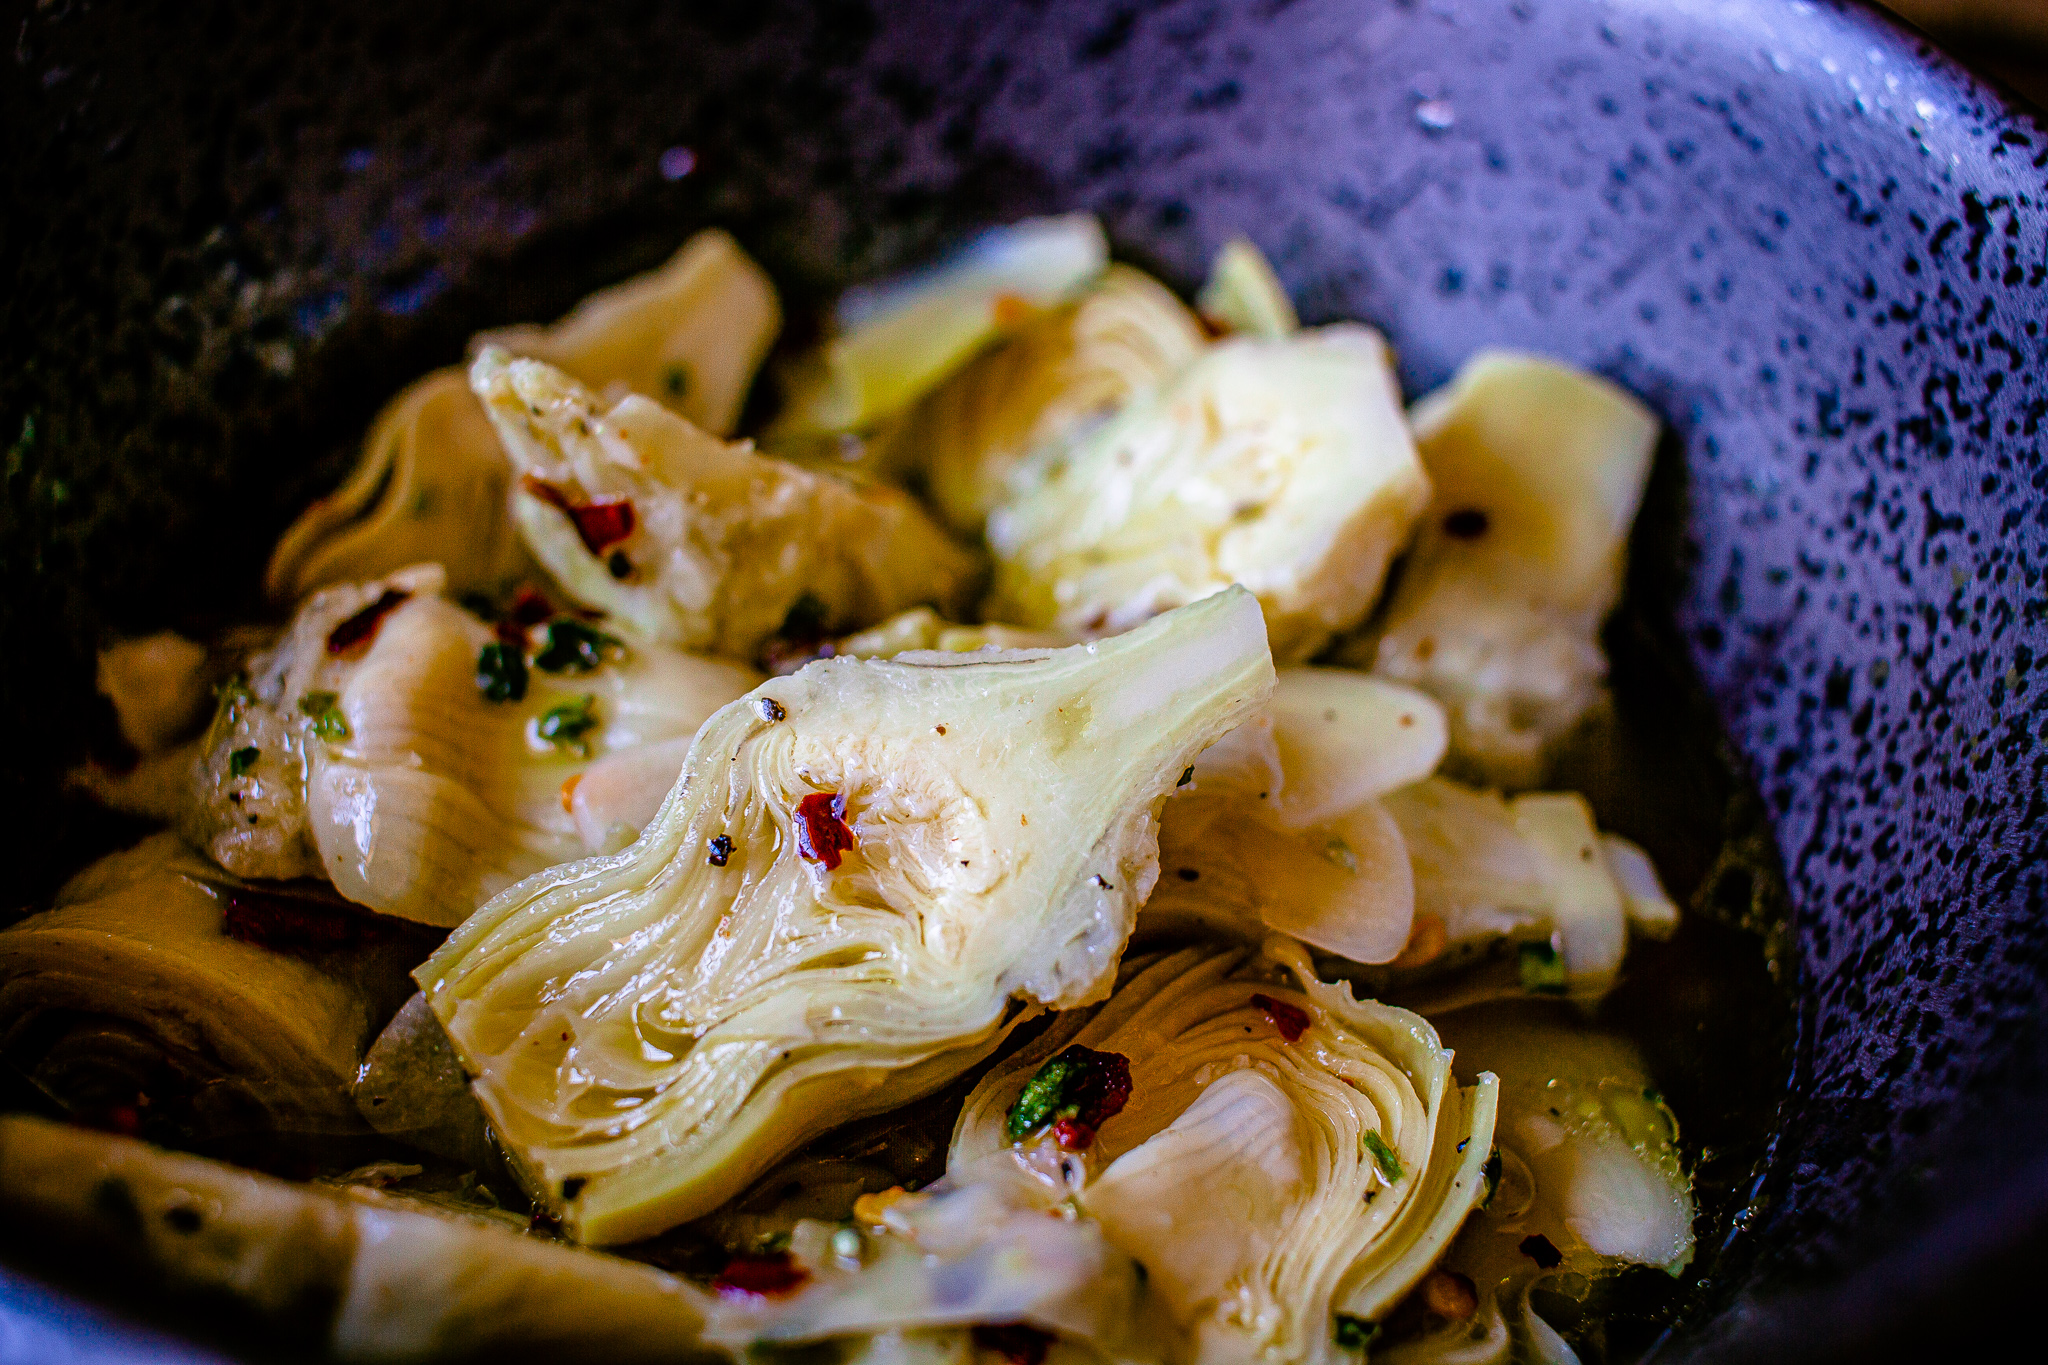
{"x": 1073, "y": 1135}
{"x": 601, "y": 522}
{"x": 821, "y": 830}
{"x": 287, "y": 923}
{"x": 1017, "y": 1342}
{"x": 362, "y": 627}
{"x": 1291, "y": 1020}
{"x": 769, "y": 1275}
{"x": 122, "y": 1119}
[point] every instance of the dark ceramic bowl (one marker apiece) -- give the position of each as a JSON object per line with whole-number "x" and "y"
{"x": 1817, "y": 247}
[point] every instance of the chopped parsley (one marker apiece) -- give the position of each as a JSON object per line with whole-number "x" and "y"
{"x": 1373, "y": 1145}
{"x": 1073, "y": 1094}
{"x": 243, "y": 759}
{"x": 676, "y": 379}
{"x": 501, "y": 672}
{"x": 322, "y": 709}
{"x": 1540, "y": 969}
{"x": 565, "y": 726}
{"x": 1354, "y": 1333}
{"x": 572, "y": 647}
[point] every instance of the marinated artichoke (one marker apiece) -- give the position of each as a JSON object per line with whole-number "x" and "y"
{"x": 1285, "y": 1161}
{"x": 899, "y": 338}
{"x": 347, "y": 1272}
{"x": 689, "y": 335}
{"x": 1589, "y": 1181}
{"x": 980, "y": 437}
{"x": 1243, "y": 295}
{"x": 867, "y": 870}
{"x": 431, "y": 483}
{"x": 682, "y": 539}
{"x": 161, "y": 994}
{"x": 1538, "y": 470}
{"x": 1281, "y": 465}
{"x": 403, "y": 748}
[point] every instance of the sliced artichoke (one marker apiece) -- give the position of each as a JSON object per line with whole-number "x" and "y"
{"x": 1589, "y": 1180}
{"x": 977, "y": 438}
{"x": 847, "y": 884}
{"x": 1281, "y": 465}
{"x": 900, "y": 337}
{"x": 1538, "y": 470}
{"x": 682, "y": 539}
{"x": 367, "y": 747}
{"x": 923, "y": 628}
{"x": 1288, "y": 1158}
{"x": 929, "y": 1276}
{"x": 1529, "y": 874}
{"x": 1242, "y": 294}
{"x": 689, "y": 335}
{"x": 348, "y": 1272}
{"x": 161, "y": 993}
{"x": 429, "y": 485}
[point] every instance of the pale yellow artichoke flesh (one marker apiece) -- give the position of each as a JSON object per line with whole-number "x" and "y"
{"x": 1266, "y": 1184}
{"x": 373, "y": 1276}
{"x": 1282, "y": 465}
{"x": 725, "y": 542}
{"x": 650, "y": 1031}
{"x": 1538, "y": 470}
{"x": 1242, "y": 294}
{"x": 421, "y": 797}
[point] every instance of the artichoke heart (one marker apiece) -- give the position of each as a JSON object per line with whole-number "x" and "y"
{"x": 385, "y": 764}
{"x": 689, "y": 335}
{"x": 682, "y": 539}
{"x": 899, "y": 337}
{"x": 863, "y": 866}
{"x": 1287, "y": 1155}
{"x": 159, "y": 992}
{"x": 1588, "y": 1181}
{"x": 1242, "y": 294}
{"x": 1538, "y": 470}
{"x": 984, "y": 432}
{"x": 1283, "y": 465}
{"x": 348, "y": 1273}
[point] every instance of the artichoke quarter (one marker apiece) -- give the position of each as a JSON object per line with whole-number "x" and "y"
{"x": 867, "y": 872}
{"x": 1283, "y": 465}
{"x": 1289, "y": 1160}
{"x": 685, "y": 540}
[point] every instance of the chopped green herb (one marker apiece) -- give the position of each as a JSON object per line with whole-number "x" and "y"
{"x": 1541, "y": 969}
{"x": 573, "y": 647}
{"x": 328, "y": 722}
{"x": 243, "y": 759}
{"x": 1081, "y": 1088}
{"x": 1355, "y": 1333}
{"x": 1373, "y": 1145}
{"x": 1339, "y": 852}
{"x": 676, "y": 379}
{"x": 566, "y": 725}
{"x": 501, "y": 672}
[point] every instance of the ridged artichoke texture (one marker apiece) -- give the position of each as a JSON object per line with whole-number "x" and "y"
{"x": 1287, "y": 1156}
{"x": 1538, "y": 471}
{"x": 868, "y": 871}
{"x": 160, "y": 993}
{"x": 431, "y": 483}
{"x": 1588, "y": 1182}
{"x": 682, "y": 539}
{"x": 423, "y": 759}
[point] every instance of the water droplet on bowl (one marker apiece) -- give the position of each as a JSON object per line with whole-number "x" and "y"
{"x": 1436, "y": 116}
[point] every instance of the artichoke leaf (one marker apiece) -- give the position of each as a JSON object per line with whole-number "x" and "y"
{"x": 154, "y": 989}
{"x": 1334, "y": 1155}
{"x": 368, "y": 1276}
{"x": 860, "y": 869}
{"x": 387, "y": 767}
{"x": 1242, "y": 294}
{"x": 1284, "y": 466}
{"x": 689, "y": 335}
{"x": 1589, "y": 1163}
{"x": 899, "y": 337}
{"x": 983, "y": 435}
{"x": 1538, "y": 470}
{"x": 719, "y": 545}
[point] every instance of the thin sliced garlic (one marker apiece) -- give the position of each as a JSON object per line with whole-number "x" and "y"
{"x": 864, "y": 868}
